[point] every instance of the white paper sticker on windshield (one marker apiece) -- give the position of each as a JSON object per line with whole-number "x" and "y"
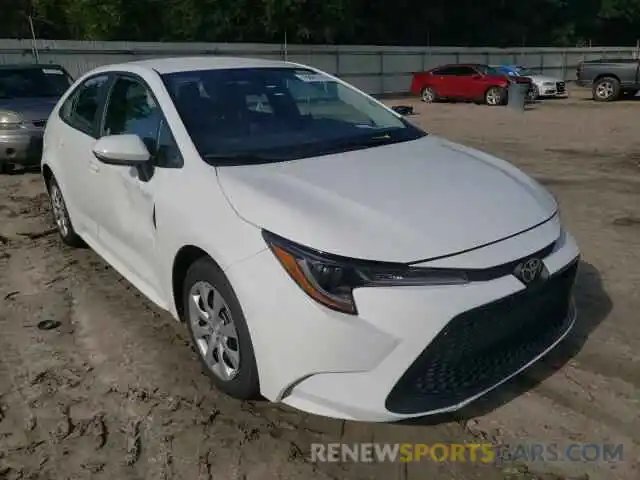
{"x": 313, "y": 77}
{"x": 52, "y": 71}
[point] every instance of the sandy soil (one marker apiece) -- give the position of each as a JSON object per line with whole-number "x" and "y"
{"x": 115, "y": 392}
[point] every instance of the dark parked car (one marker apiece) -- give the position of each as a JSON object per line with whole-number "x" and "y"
{"x": 28, "y": 93}
{"x": 468, "y": 82}
{"x": 609, "y": 79}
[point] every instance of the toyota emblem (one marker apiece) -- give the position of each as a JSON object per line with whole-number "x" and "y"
{"x": 530, "y": 271}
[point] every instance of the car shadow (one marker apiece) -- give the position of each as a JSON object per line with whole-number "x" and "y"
{"x": 634, "y": 99}
{"x": 19, "y": 170}
{"x": 594, "y": 305}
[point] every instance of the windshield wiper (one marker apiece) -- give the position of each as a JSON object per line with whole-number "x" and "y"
{"x": 365, "y": 141}
{"x": 240, "y": 158}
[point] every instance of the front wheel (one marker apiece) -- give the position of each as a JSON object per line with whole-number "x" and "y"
{"x": 494, "y": 96}
{"x": 606, "y": 89}
{"x": 533, "y": 93}
{"x": 219, "y": 331}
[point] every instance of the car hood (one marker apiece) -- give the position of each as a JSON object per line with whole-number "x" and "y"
{"x": 31, "y": 108}
{"x": 403, "y": 202}
{"x": 544, "y": 78}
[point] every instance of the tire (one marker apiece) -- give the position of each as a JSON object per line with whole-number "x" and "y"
{"x": 428, "y": 95}
{"x": 606, "y": 89}
{"x": 231, "y": 363}
{"x": 6, "y": 167}
{"x": 533, "y": 94}
{"x": 494, "y": 96}
{"x": 61, "y": 216}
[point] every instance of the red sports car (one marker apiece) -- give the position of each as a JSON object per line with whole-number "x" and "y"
{"x": 468, "y": 82}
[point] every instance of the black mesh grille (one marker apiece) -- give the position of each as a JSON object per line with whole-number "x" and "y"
{"x": 479, "y": 348}
{"x": 560, "y": 87}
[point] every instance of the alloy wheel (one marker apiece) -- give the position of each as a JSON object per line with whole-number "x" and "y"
{"x": 605, "y": 90}
{"x": 428, "y": 95}
{"x": 214, "y": 330}
{"x": 59, "y": 210}
{"x": 494, "y": 97}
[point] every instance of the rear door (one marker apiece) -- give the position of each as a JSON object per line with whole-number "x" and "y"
{"x": 71, "y": 142}
{"x": 465, "y": 82}
{"x": 442, "y": 80}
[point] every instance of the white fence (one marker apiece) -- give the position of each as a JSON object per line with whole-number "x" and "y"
{"x": 375, "y": 69}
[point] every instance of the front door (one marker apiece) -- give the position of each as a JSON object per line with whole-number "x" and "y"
{"x": 128, "y": 232}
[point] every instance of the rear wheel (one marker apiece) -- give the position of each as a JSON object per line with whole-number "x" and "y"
{"x": 61, "y": 216}
{"x": 428, "y": 95}
{"x": 494, "y": 96}
{"x": 6, "y": 167}
{"x": 606, "y": 89}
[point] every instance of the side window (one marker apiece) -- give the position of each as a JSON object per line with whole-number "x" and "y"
{"x": 132, "y": 109}
{"x": 465, "y": 72}
{"x": 445, "y": 71}
{"x": 81, "y": 108}
{"x": 168, "y": 154}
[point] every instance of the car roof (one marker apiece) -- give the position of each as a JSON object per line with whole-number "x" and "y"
{"x": 211, "y": 62}
{"x": 458, "y": 65}
{"x": 449, "y": 65}
{"x": 26, "y": 66}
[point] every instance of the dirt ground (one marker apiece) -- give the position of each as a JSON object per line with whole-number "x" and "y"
{"x": 115, "y": 392}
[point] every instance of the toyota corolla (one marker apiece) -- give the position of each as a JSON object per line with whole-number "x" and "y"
{"x": 322, "y": 250}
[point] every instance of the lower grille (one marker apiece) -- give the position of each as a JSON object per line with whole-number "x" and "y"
{"x": 479, "y": 348}
{"x": 560, "y": 87}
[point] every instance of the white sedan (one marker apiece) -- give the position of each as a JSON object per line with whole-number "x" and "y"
{"x": 322, "y": 250}
{"x": 543, "y": 85}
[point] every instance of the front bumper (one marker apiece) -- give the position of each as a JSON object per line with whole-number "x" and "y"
{"x": 411, "y": 351}
{"x": 557, "y": 89}
{"x": 21, "y": 147}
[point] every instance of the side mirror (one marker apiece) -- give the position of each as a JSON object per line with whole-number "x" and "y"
{"x": 122, "y": 150}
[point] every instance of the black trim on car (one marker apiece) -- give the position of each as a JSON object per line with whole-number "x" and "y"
{"x": 485, "y": 244}
{"x": 471, "y": 274}
{"x": 482, "y": 347}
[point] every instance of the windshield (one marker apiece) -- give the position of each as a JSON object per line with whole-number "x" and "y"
{"x": 33, "y": 82}
{"x": 525, "y": 72}
{"x": 258, "y": 115}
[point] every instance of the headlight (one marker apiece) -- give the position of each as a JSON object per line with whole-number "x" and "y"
{"x": 330, "y": 279}
{"x": 9, "y": 120}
